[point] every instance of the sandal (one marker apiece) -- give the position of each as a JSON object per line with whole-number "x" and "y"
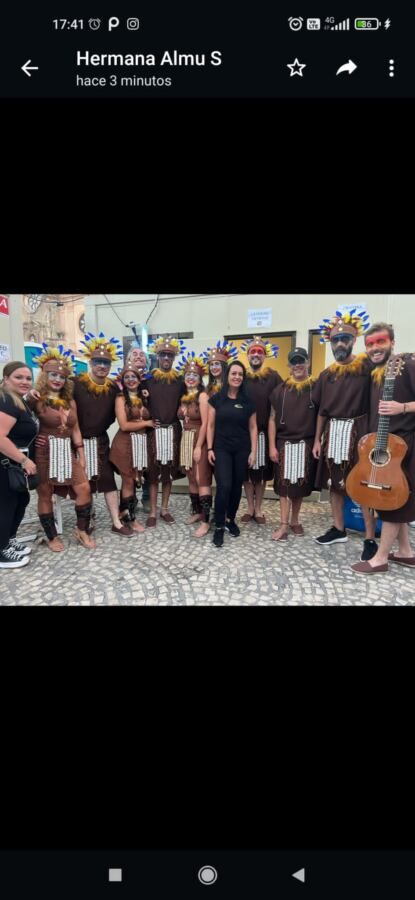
{"x": 56, "y": 549}
{"x": 246, "y": 518}
{"x": 151, "y": 522}
{"x": 260, "y": 520}
{"x": 83, "y": 538}
{"x": 283, "y": 536}
{"x": 297, "y": 530}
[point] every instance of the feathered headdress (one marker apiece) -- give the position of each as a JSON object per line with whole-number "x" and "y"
{"x": 192, "y": 363}
{"x": 258, "y": 343}
{"x": 167, "y": 345}
{"x": 55, "y": 359}
{"x": 101, "y": 347}
{"x": 343, "y": 323}
{"x": 223, "y": 352}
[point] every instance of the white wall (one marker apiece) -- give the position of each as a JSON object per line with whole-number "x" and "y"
{"x": 210, "y": 317}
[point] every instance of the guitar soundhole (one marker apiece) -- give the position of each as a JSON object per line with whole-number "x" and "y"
{"x": 379, "y": 457}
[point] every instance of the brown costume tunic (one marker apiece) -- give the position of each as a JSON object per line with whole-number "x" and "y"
{"x": 121, "y": 453}
{"x": 96, "y": 412}
{"x": 298, "y": 411}
{"x": 342, "y": 392}
{"x": 192, "y": 421}
{"x": 404, "y": 426}
{"x": 163, "y": 403}
{"x": 259, "y": 388}
{"x": 51, "y": 424}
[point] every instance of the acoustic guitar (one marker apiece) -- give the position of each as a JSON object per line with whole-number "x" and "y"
{"x": 377, "y": 479}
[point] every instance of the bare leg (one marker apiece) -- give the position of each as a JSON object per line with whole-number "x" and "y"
{"x": 153, "y": 491}
{"x": 405, "y": 548}
{"x": 111, "y": 499}
{"x": 284, "y": 513}
{"x": 249, "y": 493}
{"x": 370, "y": 523}
{"x": 337, "y": 506}
{"x": 390, "y": 531}
{"x": 295, "y": 510}
{"x": 259, "y": 490}
{"x": 165, "y": 496}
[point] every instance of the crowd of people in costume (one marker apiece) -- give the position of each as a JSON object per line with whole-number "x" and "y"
{"x": 207, "y": 418}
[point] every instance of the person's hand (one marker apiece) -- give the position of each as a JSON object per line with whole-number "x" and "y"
{"x": 251, "y": 460}
{"x": 156, "y": 423}
{"x": 212, "y": 457}
{"x": 149, "y": 423}
{"x": 33, "y": 394}
{"x": 41, "y": 440}
{"x": 29, "y": 466}
{"x": 274, "y": 455}
{"x": 317, "y": 449}
{"x": 390, "y": 407}
{"x": 181, "y": 412}
{"x": 197, "y": 452}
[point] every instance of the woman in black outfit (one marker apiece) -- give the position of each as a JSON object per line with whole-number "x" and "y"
{"x": 18, "y": 427}
{"x": 232, "y": 439}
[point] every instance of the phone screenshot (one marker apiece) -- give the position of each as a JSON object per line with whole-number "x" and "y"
{"x": 209, "y": 50}
{"x": 214, "y": 491}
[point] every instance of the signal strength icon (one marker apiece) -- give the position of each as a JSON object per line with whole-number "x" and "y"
{"x": 341, "y": 26}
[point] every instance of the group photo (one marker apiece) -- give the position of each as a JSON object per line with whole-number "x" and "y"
{"x": 207, "y": 449}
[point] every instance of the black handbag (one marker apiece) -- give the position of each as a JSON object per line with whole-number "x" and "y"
{"x": 19, "y": 480}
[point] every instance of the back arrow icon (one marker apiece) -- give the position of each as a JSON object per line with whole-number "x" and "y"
{"x": 348, "y": 67}
{"x": 27, "y": 68}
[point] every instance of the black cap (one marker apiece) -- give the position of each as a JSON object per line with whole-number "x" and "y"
{"x": 299, "y": 351}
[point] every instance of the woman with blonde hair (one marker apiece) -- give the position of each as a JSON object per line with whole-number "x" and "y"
{"x": 60, "y": 454}
{"x": 18, "y": 429}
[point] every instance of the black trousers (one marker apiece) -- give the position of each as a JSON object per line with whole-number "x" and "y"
{"x": 230, "y": 472}
{"x": 12, "y": 507}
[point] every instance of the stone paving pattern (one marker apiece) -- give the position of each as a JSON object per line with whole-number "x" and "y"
{"x": 166, "y": 566}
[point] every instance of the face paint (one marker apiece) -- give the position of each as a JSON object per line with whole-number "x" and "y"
{"x": 256, "y": 359}
{"x": 378, "y": 347}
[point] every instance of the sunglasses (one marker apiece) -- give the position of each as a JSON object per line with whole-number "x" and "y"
{"x": 342, "y": 339}
{"x": 101, "y": 362}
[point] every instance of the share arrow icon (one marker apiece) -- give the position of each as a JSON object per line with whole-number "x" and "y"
{"x": 27, "y": 68}
{"x": 348, "y": 67}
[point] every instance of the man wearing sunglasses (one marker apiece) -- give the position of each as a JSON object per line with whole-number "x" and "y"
{"x": 342, "y": 394}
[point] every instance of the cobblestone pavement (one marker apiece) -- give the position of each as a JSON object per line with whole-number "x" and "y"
{"x": 166, "y": 566}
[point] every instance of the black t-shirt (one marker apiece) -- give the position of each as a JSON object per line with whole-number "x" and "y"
{"x": 25, "y": 428}
{"x": 232, "y": 423}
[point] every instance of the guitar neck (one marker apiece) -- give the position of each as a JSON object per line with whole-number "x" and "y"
{"x": 384, "y": 421}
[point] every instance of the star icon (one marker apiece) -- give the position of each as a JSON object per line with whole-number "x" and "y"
{"x": 296, "y": 68}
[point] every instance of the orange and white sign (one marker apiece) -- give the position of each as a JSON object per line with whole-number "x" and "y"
{"x": 4, "y": 305}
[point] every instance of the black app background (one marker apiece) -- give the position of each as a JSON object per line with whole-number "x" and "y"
{"x": 204, "y": 729}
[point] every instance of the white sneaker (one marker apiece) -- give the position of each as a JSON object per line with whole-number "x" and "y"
{"x": 18, "y": 547}
{"x": 412, "y": 524}
{"x": 9, "y": 559}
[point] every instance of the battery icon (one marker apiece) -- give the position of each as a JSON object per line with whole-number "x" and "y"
{"x": 367, "y": 24}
